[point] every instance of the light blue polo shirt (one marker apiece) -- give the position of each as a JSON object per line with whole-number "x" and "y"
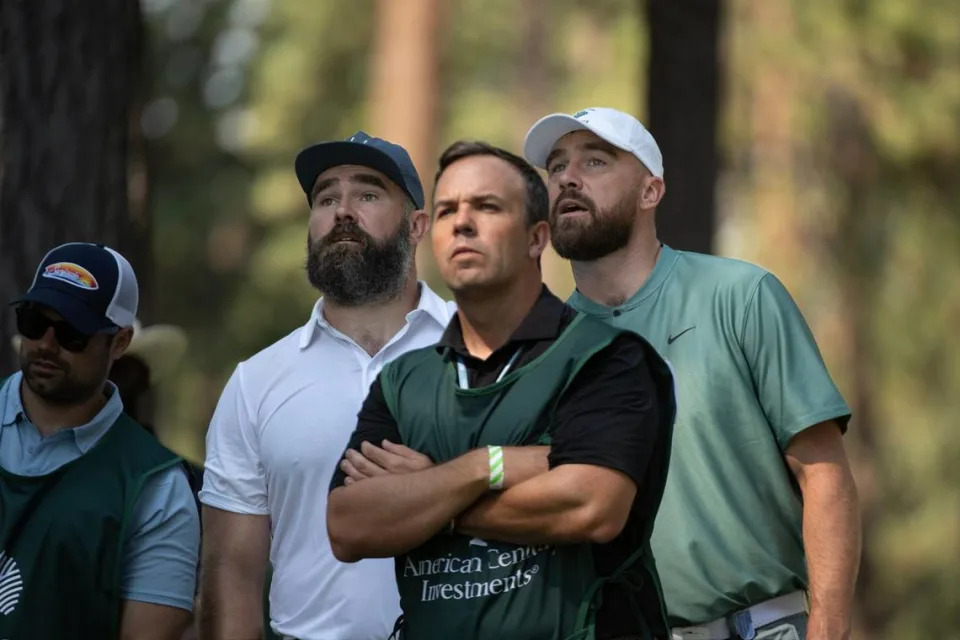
{"x": 161, "y": 551}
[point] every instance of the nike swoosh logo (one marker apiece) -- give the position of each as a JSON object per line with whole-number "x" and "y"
{"x": 670, "y": 339}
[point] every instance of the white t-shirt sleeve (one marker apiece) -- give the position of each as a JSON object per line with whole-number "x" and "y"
{"x": 233, "y": 476}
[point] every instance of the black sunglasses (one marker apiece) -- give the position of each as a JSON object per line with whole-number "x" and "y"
{"x": 32, "y": 325}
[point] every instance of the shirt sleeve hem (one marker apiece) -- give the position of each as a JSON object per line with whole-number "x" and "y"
{"x": 554, "y": 463}
{"x": 229, "y": 504}
{"x": 165, "y": 599}
{"x": 840, "y": 413}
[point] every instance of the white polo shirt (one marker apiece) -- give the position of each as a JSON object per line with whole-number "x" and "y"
{"x": 276, "y": 437}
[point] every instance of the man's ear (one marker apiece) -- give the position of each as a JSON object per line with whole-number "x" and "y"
{"x": 419, "y": 225}
{"x": 652, "y": 193}
{"x": 539, "y": 238}
{"x": 121, "y": 342}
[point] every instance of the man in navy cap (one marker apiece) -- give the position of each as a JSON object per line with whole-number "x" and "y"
{"x": 99, "y": 532}
{"x": 287, "y": 412}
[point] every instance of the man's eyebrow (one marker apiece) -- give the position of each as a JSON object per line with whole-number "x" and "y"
{"x": 600, "y": 145}
{"x": 323, "y": 185}
{"x": 446, "y": 202}
{"x": 359, "y": 178}
{"x": 553, "y": 156}
{"x": 368, "y": 179}
{"x": 596, "y": 145}
{"x": 485, "y": 197}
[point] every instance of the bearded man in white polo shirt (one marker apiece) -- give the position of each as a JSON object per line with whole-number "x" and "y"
{"x": 286, "y": 414}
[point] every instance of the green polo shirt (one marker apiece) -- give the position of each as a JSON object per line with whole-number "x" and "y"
{"x": 749, "y": 377}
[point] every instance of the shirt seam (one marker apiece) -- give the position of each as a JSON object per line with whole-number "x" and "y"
{"x": 246, "y": 407}
{"x": 754, "y": 292}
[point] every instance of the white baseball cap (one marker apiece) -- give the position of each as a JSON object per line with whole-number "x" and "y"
{"x": 616, "y": 127}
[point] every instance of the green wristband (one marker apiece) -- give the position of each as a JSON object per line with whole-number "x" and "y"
{"x": 496, "y": 466}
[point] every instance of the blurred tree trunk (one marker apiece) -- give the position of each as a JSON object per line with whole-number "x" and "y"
{"x": 403, "y": 87}
{"x": 69, "y": 74}
{"x": 859, "y": 246}
{"x": 683, "y": 99}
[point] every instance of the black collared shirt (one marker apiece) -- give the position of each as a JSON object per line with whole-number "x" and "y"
{"x": 537, "y": 331}
{"x": 608, "y": 416}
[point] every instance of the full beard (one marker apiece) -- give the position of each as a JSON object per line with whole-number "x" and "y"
{"x": 363, "y": 272}
{"x": 604, "y": 232}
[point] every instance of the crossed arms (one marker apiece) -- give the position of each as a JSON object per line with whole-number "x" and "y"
{"x": 388, "y": 499}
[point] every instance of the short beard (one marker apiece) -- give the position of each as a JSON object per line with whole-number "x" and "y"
{"x": 67, "y": 390}
{"x": 368, "y": 272}
{"x": 605, "y": 232}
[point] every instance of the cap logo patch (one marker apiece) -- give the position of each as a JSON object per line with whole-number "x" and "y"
{"x": 71, "y": 274}
{"x": 581, "y": 113}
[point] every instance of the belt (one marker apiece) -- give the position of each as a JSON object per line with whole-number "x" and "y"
{"x": 746, "y": 620}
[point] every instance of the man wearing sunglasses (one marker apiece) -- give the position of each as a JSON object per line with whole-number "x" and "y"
{"x": 99, "y": 532}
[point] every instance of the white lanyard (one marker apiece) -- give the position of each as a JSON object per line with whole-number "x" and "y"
{"x": 464, "y": 381}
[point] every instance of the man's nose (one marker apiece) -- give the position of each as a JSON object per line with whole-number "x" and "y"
{"x": 463, "y": 223}
{"x": 345, "y": 212}
{"x": 569, "y": 178}
{"x": 49, "y": 340}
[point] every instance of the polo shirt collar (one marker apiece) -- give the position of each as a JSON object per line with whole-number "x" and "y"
{"x": 12, "y": 407}
{"x": 430, "y": 304}
{"x": 84, "y": 436}
{"x": 544, "y": 321}
{"x": 87, "y": 435}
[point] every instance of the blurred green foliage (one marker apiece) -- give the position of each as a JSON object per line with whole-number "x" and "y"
{"x": 841, "y": 172}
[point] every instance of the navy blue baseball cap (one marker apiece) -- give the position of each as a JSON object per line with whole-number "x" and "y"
{"x": 91, "y": 286}
{"x": 390, "y": 159}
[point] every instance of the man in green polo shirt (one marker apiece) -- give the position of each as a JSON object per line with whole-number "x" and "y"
{"x": 759, "y": 521}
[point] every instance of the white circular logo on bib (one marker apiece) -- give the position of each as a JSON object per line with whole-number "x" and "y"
{"x": 11, "y": 584}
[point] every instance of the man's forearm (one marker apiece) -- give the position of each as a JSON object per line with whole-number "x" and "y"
{"x": 233, "y": 570}
{"x": 388, "y": 515}
{"x": 831, "y": 537}
{"x": 148, "y": 621}
{"x": 572, "y": 503}
{"x": 231, "y": 602}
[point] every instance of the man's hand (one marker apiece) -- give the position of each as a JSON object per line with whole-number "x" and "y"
{"x": 372, "y": 461}
{"x": 387, "y": 515}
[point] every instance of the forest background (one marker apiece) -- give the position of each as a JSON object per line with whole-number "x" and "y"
{"x": 818, "y": 139}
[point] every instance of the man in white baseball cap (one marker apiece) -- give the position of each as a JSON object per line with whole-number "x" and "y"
{"x": 616, "y": 127}
{"x": 759, "y": 523}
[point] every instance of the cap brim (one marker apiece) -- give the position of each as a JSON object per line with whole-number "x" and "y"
{"x": 313, "y": 161}
{"x": 543, "y": 135}
{"x": 72, "y": 309}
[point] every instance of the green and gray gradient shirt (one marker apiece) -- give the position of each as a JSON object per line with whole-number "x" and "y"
{"x": 749, "y": 377}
